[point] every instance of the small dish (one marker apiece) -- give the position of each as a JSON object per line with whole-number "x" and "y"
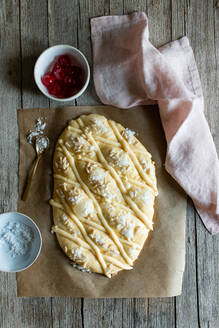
{"x": 45, "y": 61}
{"x": 16, "y": 263}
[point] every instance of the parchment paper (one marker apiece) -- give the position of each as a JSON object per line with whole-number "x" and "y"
{"x": 159, "y": 269}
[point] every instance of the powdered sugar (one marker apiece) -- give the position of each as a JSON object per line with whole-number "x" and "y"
{"x": 129, "y": 135}
{"x": 40, "y": 126}
{"x": 17, "y": 237}
{"x": 42, "y": 144}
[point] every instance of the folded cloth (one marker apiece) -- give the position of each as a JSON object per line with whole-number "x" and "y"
{"x": 130, "y": 71}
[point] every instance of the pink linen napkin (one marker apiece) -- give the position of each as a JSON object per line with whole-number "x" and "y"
{"x": 129, "y": 71}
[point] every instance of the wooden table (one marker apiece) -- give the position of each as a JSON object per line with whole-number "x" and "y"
{"x": 29, "y": 27}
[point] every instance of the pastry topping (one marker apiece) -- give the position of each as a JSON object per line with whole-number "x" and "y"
{"x": 62, "y": 163}
{"x": 128, "y": 231}
{"x": 97, "y": 177}
{"x": 74, "y": 195}
{"x": 129, "y": 135}
{"x": 133, "y": 252}
{"x": 140, "y": 195}
{"x": 67, "y": 144}
{"x": 74, "y": 199}
{"x": 123, "y": 225}
{"x": 80, "y": 268}
{"x": 84, "y": 208}
{"x": 120, "y": 220}
{"x": 97, "y": 125}
{"x": 81, "y": 146}
{"x": 77, "y": 143}
{"x": 64, "y": 218}
{"x": 119, "y": 159}
{"x": 77, "y": 256}
{"x": 61, "y": 193}
{"x": 98, "y": 239}
{"x": 145, "y": 164}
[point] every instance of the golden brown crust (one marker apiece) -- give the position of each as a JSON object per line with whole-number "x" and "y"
{"x": 104, "y": 191}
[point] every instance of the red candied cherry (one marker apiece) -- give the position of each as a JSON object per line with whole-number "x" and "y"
{"x": 76, "y": 70}
{"x": 58, "y": 72}
{"x": 56, "y": 66}
{"x": 71, "y": 91}
{"x": 64, "y": 61}
{"x": 69, "y": 81}
{"x": 48, "y": 79}
{"x": 57, "y": 89}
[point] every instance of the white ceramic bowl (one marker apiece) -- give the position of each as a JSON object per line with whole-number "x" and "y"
{"x": 19, "y": 262}
{"x": 48, "y": 56}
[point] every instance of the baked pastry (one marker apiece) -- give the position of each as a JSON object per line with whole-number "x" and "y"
{"x": 104, "y": 192}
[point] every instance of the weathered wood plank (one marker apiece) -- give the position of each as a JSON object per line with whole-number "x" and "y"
{"x": 10, "y": 80}
{"x": 87, "y": 10}
{"x": 105, "y": 313}
{"x": 161, "y": 312}
{"x": 202, "y": 19}
{"x": 101, "y": 312}
{"x": 132, "y": 5}
{"x": 34, "y": 39}
{"x": 63, "y": 29}
{"x": 186, "y": 304}
{"x": 134, "y": 311}
{"x": 160, "y": 25}
{"x": 66, "y": 312}
{"x": 71, "y": 24}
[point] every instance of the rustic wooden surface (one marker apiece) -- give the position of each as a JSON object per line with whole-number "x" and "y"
{"x": 28, "y": 27}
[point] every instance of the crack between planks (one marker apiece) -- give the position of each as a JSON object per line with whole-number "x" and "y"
{"x": 51, "y": 309}
{"x": 82, "y": 312}
{"x": 21, "y": 64}
{"x": 171, "y": 19}
{"x": 196, "y": 271}
{"x": 48, "y": 41}
{"x": 148, "y": 310}
{"x": 76, "y": 104}
{"x": 215, "y": 51}
{"x": 175, "y": 321}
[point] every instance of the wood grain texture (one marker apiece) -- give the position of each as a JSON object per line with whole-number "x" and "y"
{"x": 34, "y": 39}
{"x": 10, "y": 79}
{"x": 161, "y": 312}
{"x": 200, "y": 29}
{"x": 188, "y": 299}
{"x": 27, "y": 28}
{"x": 63, "y": 29}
